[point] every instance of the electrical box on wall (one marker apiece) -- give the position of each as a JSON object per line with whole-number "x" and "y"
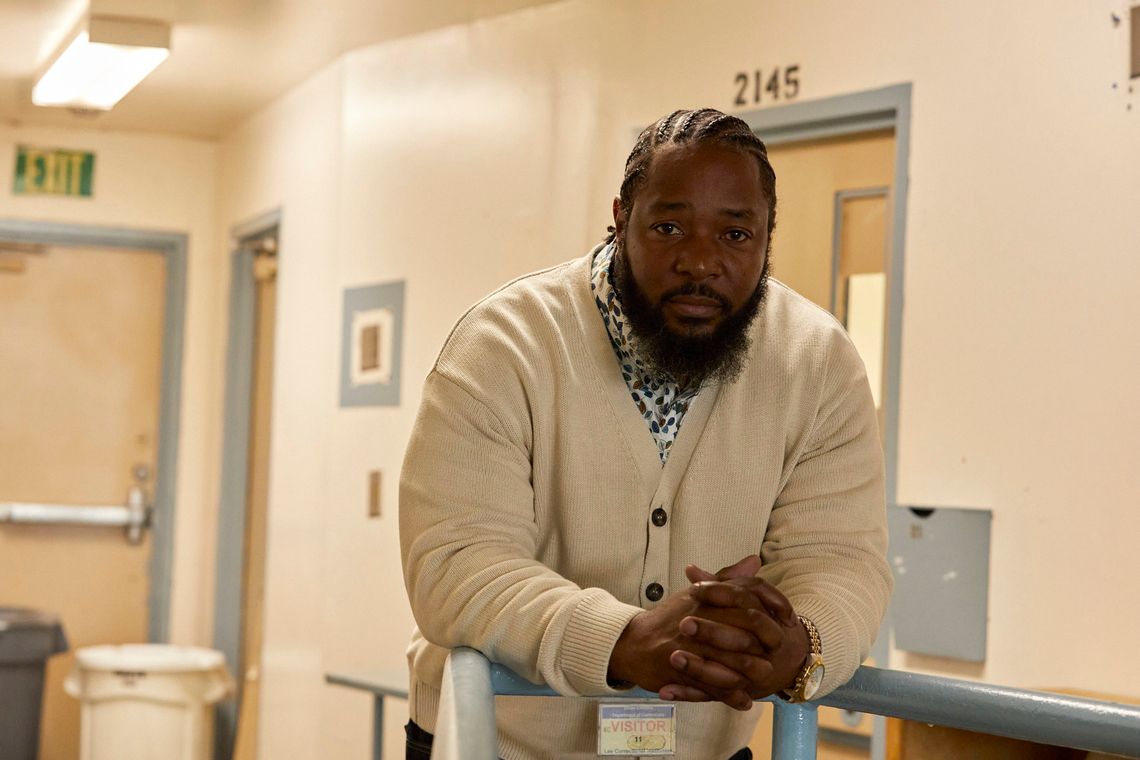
{"x": 940, "y": 558}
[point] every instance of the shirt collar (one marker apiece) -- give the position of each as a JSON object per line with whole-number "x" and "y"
{"x": 614, "y": 317}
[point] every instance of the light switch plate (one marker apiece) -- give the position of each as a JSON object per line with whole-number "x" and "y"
{"x": 374, "y": 493}
{"x": 1134, "y": 62}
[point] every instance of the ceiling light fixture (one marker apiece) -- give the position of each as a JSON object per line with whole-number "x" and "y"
{"x": 103, "y": 60}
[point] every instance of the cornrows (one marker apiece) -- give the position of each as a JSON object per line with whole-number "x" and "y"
{"x": 689, "y": 127}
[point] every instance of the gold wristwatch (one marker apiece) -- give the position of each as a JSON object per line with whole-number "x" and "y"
{"x": 807, "y": 683}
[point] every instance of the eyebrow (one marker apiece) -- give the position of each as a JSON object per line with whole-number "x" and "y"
{"x": 661, "y": 207}
{"x": 664, "y": 206}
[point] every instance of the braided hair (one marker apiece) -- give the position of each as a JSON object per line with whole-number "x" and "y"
{"x": 691, "y": 127}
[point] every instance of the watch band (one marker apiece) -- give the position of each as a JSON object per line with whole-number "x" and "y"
{"x": 811, "y": 675}
{"x": 813, "y": 635}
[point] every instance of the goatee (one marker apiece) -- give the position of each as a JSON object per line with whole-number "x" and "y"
{"x": 719, "y": 356}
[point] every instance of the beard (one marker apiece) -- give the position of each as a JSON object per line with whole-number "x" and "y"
{"x": 690, "y": 359}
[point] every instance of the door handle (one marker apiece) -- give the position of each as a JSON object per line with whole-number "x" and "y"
{"x": 135, "y": 517}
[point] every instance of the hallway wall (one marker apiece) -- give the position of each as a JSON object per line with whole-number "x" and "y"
{"x": 460, "y": 158}
{"x": 288, "y": 158}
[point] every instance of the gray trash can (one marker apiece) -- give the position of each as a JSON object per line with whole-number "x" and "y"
{"x": 27, "y": 639}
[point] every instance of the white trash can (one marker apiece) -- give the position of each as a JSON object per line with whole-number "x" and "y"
{"x": 147, "y": 701}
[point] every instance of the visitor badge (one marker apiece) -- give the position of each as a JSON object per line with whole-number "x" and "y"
{"x": 637, "y": 728}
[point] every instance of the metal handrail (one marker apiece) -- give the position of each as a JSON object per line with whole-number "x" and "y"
{"x": 470, "y": 682}
{"x": 465, "y": 726}
{"x": 1037, "y": 716}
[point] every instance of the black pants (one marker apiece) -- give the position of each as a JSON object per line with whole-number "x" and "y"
{"x": 419, "y": 742}
{"x": 419, "y": 745}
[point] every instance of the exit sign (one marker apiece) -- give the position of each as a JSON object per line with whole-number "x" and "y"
{"x": 53, "y": 171}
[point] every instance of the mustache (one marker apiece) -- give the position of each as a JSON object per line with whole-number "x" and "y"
{"x": 697, "y": 289}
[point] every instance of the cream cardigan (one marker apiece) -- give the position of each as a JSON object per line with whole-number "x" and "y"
{"x": 529, "y": 480}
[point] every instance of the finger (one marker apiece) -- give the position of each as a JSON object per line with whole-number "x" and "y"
{"x": 736, "y": 698}
{"x": 707, "y": 672}
{"x": 745, "y": 568}
{"x": 771, "y": 596}
{"x": 767, "y": 632}
{"x": 757, "y": 672}
{"x": 739, "y": 700}
{"x": 774, "y": 601}
{"x": 725, "y": 594}
{"x": 690, "y": 690}
{"x": 696, "y": 574}
{"x": 735, "y": 630}
{"x": 716, "y": 634}
{"x": 676, "y": 692}
{"x": 751, "y": 592}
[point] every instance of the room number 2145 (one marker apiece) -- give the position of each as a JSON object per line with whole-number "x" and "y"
{"x": 779, "y": 84}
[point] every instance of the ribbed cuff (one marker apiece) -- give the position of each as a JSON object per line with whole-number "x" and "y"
{"x": 584, "y": 656}
{"x": 840, "y": 656}
{"x": 423, "y": 704}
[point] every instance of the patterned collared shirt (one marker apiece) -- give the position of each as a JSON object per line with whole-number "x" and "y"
{"x": 659, "y": 398}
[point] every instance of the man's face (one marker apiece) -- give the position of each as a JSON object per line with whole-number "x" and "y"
{"x": 695, "y": 247}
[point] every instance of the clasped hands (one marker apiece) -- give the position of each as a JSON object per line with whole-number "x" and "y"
{"x": 730, "y": 637}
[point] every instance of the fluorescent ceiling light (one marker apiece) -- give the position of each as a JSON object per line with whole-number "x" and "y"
{"x": 103, "y": 61}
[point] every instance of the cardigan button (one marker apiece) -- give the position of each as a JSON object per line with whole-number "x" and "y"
{"x": 654, "y": 592}
{"x": 659, "y": 517}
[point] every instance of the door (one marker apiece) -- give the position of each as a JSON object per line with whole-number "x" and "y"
{"x": 830, "y": 245}
{"x": 830, "y": 242}
{"x": 257, "y": 500}
{"x": 244, "y": 503}
{"x": 81, "y": 339}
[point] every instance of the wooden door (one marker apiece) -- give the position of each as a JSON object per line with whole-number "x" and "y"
{"x": 80, "y": 362}
{"x": 257, "y": 510}
{"x": 831, "y": 225}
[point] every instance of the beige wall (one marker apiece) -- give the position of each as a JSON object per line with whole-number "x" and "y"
{"x": 288, "y": 158}
{"x": 460, "y": 158}
{"x": 168, "y": 184}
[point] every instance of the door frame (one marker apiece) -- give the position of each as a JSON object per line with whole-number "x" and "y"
{"x": 172, "y": 246}
{"x": 230, "y": 560}
{"x": 857, "y": 113}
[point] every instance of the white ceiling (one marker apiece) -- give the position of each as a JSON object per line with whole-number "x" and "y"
{"x": 228, "y": 57}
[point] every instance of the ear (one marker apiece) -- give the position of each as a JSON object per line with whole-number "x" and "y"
{"x": 619, "y": 217}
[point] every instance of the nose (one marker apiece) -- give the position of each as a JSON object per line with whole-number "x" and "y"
{"x": 698, "y": 259}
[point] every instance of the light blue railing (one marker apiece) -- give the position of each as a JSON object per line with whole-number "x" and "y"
{"x": 465, "y": 727}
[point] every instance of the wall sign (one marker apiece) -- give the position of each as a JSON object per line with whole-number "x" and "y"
{"x": 767, "y": 85}
{"x": 54, "y": 171}
{"x": 371, "y": 344}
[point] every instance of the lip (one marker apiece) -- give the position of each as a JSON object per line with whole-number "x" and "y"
{"x": 695, "y": 307}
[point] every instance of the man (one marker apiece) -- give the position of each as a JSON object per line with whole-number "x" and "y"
{"x": 594, "y": 435}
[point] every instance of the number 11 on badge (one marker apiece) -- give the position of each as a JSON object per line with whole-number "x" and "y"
{"x": 637, "y": 729}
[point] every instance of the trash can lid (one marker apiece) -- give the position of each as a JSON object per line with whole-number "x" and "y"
{"x": 149, "y": 658}
{"x": 28, "y": 635}
{"x": 25, "y": 617}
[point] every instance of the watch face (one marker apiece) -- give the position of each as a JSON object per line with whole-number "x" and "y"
{"x": 814, "y": 680}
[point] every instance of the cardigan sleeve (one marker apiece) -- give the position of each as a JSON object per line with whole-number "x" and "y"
{"x": 468, "y": 540}
{"x": 825, "y": 546}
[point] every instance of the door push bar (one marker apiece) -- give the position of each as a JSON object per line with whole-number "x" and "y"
{"x": 134, "y": 517}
